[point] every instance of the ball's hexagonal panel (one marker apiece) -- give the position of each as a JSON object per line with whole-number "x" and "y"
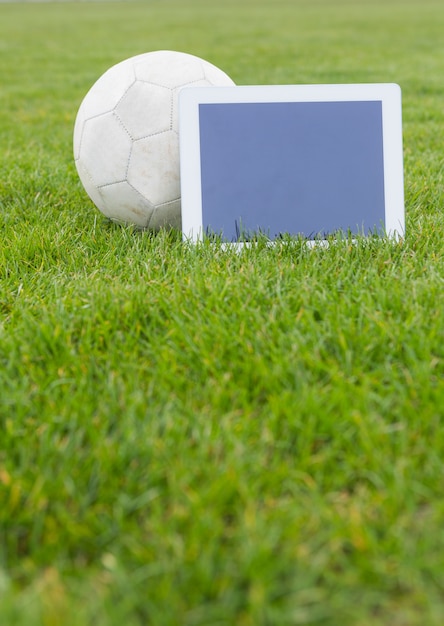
{"x": 104, "y": 149}
{"x": 154, "y": 168}
{"x": 121, "y": 202}
{"x": 88, "y": 184}
{"x": 167, "y": 214}
{"x": 169, "y": 69}
{"x": 216, "y": 76}
{"x": 77, "y": 136}
{"x": 145, "y": 109}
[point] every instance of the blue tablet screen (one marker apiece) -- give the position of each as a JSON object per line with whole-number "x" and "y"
{"x": 303, "y": 168}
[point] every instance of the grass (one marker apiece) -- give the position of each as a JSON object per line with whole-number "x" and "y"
{"x": 193, "y": 436}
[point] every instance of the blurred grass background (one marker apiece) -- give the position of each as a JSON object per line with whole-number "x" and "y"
{"x": 190, "y": 436}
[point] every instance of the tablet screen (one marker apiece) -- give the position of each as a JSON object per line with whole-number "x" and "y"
{"x": 304, "y": 168}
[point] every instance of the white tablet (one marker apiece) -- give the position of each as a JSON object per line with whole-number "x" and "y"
{"x": 303, "y": 160}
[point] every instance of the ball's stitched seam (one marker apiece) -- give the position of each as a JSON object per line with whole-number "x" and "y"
{"x": 115, "y": 182}
{"x": 131, "y": 139}
{"x": 159, "y": 132}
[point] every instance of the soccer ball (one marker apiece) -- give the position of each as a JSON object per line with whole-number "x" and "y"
{"x": 126, "y": 141}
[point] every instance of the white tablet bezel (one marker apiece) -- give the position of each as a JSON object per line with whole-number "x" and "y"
{"x": 389, "y": 94}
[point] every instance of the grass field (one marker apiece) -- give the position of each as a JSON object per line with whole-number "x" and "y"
{"x": 198, "y": 437}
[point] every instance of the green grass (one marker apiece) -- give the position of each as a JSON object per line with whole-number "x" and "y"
{"x": 193, "y": 436}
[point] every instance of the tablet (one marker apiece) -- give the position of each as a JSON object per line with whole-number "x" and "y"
{"x": 302, "y": 160}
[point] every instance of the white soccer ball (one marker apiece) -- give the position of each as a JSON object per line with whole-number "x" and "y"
{"x": 126, "y": 141}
